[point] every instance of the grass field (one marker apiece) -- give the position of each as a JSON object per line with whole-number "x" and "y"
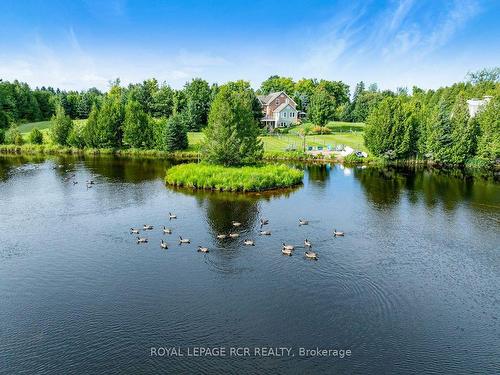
{"x": 349, "y": 134}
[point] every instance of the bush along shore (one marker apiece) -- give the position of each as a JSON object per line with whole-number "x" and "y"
{"x": 238, "y": 179}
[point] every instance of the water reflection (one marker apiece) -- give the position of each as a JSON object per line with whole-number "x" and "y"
{"x": 122, "y": 169}
{"x": 222, "y": 208}
{"x": 386, "y": 186}
{"x": 318, "y": 172}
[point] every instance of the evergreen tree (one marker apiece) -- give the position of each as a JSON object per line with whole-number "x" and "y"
{"x": 464, "y": 133}
{"x": 89, "y": 131}
{"x": 137, "y": 131}
{"x": 231, "y": 137}
{"x": 176, "y": 133}
{"x": 488, "y": 119}
{"x": 61, "y": 128}
{"x": 439, "y": 141}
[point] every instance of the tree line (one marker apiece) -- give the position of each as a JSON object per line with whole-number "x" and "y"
{"x": 436, "y": 125}
{"x": 426, "y": 124}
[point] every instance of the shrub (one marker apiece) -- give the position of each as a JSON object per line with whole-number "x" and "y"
{"x": 13, "y": 137}
{"x": 76, "y": 136}
{"x": 2, "y": 136}
{"x": 321, "y": 130}
{"x": 36, "y": 137}
{"x": 353, "y": 159}
{"x": 215, "y": 177}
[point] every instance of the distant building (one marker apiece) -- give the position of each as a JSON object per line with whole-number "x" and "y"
{"x": 476, "y": 104}
{"x": 279, "y": 110}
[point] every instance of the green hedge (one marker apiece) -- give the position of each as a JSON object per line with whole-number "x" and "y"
{"x": 214, "y": 177}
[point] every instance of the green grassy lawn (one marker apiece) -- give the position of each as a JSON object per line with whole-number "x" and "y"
{"x": 345, "y": 133}
{"x": 41, "y": 125}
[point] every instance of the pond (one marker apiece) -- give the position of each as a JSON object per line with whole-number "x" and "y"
{"x": 412, "y": 287}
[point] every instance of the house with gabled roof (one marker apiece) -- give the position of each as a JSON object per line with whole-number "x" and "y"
{"x": 278, "y": 109}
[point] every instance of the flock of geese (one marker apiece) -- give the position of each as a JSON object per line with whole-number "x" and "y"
{"x": 286, "y": 249}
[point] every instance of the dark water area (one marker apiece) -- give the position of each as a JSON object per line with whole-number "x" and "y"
{"x": 412, "y": 287}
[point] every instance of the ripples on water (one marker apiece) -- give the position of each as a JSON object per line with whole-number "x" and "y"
{"x": 412, "y": 287}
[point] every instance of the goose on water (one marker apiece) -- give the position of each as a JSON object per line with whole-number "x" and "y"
{"x": 147, "y": 227}
{"x": 337, "y": 233}
{"x": 236, "y": 224}
{"x": 265, "y": 232}
{"x": 307, "y": 243}
{"x": 311, "y": 255}
{"x": 303, "y": 222}
{"x": 288, "y": 252}
{"x": 167, "y": 230}
{"x": 221, "y": 236}
{"x": 184, "y": 240}
{"x": 172, "y": 216}
{"x": 202, "y": 249}
{"x": 264, "y": 221}
{"x": 134, "y": 231}
{"x": 249, "y": 242}
{"x": 288, "y": 247}
{"x": 234, "y": 235}
{"x": 142, "y": 240}
{"x": 163, "y": 245}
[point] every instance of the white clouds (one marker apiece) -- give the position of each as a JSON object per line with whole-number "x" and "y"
{"x": 401, "y": 44}
{"x": 396, "y": 46}
{"x": 71, "y": 66}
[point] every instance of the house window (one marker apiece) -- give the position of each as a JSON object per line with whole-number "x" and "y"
{"x": 277, "y": 101}
{"x": 284, "y": 114}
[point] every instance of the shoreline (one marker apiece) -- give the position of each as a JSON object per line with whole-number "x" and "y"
{"x": 269, "y": 156}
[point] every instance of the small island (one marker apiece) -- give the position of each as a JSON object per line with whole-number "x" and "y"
{"x": 232, "y": 151}
{"x": 243, "y": 179}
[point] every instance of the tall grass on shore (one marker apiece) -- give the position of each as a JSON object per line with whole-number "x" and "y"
{"x": 245, "y": 179}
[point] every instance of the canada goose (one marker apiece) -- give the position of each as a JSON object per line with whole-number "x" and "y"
{"x": 134, "y": 231}
{"x": 202, "y": 249}
{"x": 303, "y": 222}
{"x": 264, "y": 221}
{"x": 287, "y": 252}
{"x": 142, "y": 240}
{"x": 234, "y": 235}
{"x": 90, "y": 182}
{"x": 147, "y": 227}
{"x": 289, "y": 247}
{"x": 221, "y": 236}
{"x": 184, "y": 240}
{"x": 75, "y": 182}
{"x": 307, "y": 243}
{"x": 311, "y": 255}
{"x": 167, "y": 230}
{"x": 337, "y": 233}
{"x": 265, "y": 232}
{"x": 163, "y": 245}
{"x": 172, "y": 216}
{"x": 249, "y": 242}
{"x": 89, "y": 186}
{"x": 236, "y": 224}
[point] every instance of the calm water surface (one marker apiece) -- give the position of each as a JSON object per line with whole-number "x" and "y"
{"x": 413, "y": 287}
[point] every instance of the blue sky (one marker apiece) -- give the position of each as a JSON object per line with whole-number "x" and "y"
{"x": 80, "y": 44}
